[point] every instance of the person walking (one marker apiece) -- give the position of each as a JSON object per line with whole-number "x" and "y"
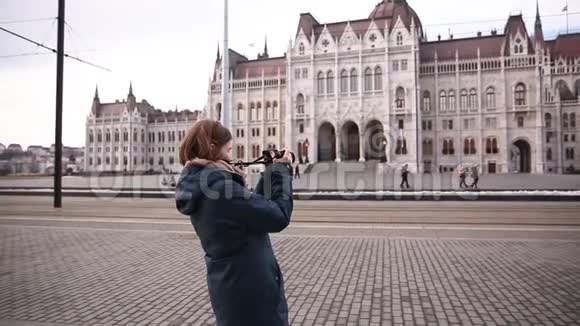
{"x": 297, "y": 172}
{"x": 405, "y": 176}
{"x": 475, "y": 176}
{"x": 462, "y": 177}
{"x": 243, "y": 276}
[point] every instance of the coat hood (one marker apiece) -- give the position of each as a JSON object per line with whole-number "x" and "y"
{"x": 195, "y": 183}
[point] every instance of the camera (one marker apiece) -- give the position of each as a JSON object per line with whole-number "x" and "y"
{"x": 268, "y": 159}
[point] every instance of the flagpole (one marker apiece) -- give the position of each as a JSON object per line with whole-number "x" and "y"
{"x": 226, "y": 72}
{"x": 567, "y": 25}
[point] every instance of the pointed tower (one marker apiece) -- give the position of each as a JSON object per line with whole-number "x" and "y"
{"x": 538, "y": 31}
{"x": 96, "y": 100}
{"x": 131, "y": 101}
{"x": 265, "y": 54}
{"x": 218, "y": 52}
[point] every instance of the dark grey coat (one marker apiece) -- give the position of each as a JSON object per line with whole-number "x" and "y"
{"x": 244, "y": 279}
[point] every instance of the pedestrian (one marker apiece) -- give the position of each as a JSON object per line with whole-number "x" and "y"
{"x": 297, "y": 172}
{"x": 475, "y": 176}
{"x": 405, "y": 176}
{"x": 462, "y": 177}
{"x": 244, "y": 279}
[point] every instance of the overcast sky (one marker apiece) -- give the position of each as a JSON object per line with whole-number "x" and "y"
{"x": 167, "y": 48}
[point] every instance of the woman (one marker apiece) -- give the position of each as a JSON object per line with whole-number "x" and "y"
{"x": 244, "y": 279}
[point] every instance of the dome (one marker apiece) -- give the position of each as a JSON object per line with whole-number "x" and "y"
{"x": 391, "y": 9}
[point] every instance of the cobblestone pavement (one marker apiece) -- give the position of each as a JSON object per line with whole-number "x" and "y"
{"x": 83, "y": 276}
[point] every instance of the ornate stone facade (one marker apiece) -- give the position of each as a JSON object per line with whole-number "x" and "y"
{"x": 377, "y": 89}
{"x": 131, "y": 136}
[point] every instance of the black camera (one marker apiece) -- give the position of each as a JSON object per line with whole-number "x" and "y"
{"x": 268, "y": 159}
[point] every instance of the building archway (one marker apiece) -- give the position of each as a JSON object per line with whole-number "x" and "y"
{"x": 350, "y": 142}
{"x": 375, "y": 141}
{"x": 326, "y": 143}
{"x": 564, "y": 91}
{"x": 521, "y": 156}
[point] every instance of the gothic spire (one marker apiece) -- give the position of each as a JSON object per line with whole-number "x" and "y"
{"x": 266, "y": 46}
{"x": 218, "y": 51}
{"x": 96, "y": 92}
{"x": 131, "y": 88}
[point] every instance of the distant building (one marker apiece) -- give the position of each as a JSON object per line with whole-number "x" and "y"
{"x": 38, "y": 150}
{"x": 134, "y": 136}
{"x": 14, "y": 148}
{"x": 377, "y": 89}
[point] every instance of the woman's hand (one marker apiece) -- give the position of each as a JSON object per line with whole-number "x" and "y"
{"x": 287, "y": 158}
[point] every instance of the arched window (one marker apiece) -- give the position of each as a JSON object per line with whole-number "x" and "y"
{"x": 448, "y": 147}
{"x": 378, "y": 79}
{"x": 549, "y": 154}
{"x": 463, "y": 100}
{"x": 573, "y": 120}
{"x": 565, "y": 120}
{"x": 426, "y": 101}
{"x": 469, "y": 146}
{"x": 518, "y": 47}
{"x": 400, "y": 98}
{"x": 143, "y": 135}
{"x": 274, "y": 110}
{"x": 490, "y": 98}
{"x": 491, "y": 146}
{"x": 300, "y": 104}
{"x": 91, "y": 137}
{"x": 548, "y": 120}
{"x": 117, "y": 136}
{"x": 321, "y": 83}
{"x": 353, "y": 81}
{"x": 451, "y": 100}
{"x": 218, "y": 109}
{"x": 520, "y": 94}
{"x": 330, "y": 82}
{"x": 301, "y": 49}
{"x": 451, "y": 147}
{"x": 252, "y": 111}
{"x": 108, "y": 136}
{"x": 473, "y": 99}
{"x": 240, "y": 112}
{"x": 427, "y": 147}
{"x": 259, "y": 111}
{"x": 399, "y": 39}
{"x": 442, "y": 101}
{"x": 368, "y": 80}
{"x": 344, "y": 81}
{"x": 401, "y": 148}
{"x": 99, "y": 136}
{"x": 268, "y": 109}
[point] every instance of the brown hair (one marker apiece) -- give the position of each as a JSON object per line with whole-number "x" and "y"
{"x": 197, "y": 143}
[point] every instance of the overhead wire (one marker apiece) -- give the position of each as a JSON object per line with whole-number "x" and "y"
{"x": 53, "y": 50}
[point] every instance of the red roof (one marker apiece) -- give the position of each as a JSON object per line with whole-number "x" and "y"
{"x": 393, "y": 9}
{"x": 489, "y": 46}
{"x": 254, "y": 68}
{"x": 514, "y": 25}
{"x": 567, "y": 46}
